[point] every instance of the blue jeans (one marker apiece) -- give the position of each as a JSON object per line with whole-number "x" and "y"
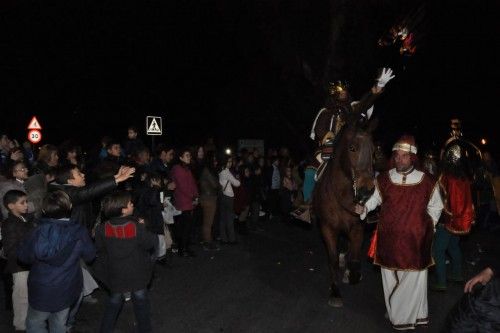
{"x": 140, "y": 300}
{"x": 36, "y": 321}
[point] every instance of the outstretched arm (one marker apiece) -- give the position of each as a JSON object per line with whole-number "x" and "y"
{"x": 369, "y": 98}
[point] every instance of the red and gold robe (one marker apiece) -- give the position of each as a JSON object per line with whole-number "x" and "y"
{"x": 458, "y": 210}
{"x": 405, "y": 229}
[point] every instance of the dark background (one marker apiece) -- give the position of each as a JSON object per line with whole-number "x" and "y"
{"x": 242, "y": 69}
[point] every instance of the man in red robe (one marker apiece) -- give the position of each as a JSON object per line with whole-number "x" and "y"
{"x": 410, "y": 206}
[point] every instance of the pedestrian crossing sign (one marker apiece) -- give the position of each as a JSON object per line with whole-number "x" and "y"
{"x": 34, "y": 124}
{"x": 153, "y": 125}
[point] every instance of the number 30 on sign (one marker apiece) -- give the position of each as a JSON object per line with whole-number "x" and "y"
{"x": 34, "y": 136}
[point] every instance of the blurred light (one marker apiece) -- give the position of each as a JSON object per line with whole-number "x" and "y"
{"x": 228, "y": 151}
{"x": 483, "y": 141}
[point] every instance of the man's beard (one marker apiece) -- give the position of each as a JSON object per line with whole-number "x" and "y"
{"x": 404, "y": 169}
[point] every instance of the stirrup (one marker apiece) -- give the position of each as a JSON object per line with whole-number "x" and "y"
{"x": 320, "y": 170}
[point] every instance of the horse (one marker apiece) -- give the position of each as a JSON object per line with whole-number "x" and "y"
{"x": 346, "y": 180}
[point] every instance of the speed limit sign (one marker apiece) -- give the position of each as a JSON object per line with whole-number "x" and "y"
{"x": 34, "y": 136}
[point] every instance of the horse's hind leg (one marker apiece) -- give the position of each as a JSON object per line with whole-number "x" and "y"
{"x": 354, "y": 262}
{"x": 330, "y": 238}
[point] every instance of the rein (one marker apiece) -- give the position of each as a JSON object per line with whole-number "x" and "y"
{"x": 354, "y": 182}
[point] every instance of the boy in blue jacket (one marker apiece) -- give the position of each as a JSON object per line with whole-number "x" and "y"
{"x": 54, "y": 250}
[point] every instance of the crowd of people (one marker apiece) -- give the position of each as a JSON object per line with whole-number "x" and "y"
{"x": 74, "y": 219}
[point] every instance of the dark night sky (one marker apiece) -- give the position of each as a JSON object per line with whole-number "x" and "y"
{"x": 234, "y": 69}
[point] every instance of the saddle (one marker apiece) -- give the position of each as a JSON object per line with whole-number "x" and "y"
{"x": 325, "y": 153}
{"x": 327, "y": 150}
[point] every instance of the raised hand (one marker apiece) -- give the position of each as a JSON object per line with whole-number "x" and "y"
{"x": 124, "y": 173}
{"x": 384, "y": 77}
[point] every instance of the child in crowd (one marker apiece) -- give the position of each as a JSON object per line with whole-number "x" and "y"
{"x": 150, "y": 207}
{"x": 15, "y": 227}
{"x": 54, "y": 250}
{"x": 124, "y": 260}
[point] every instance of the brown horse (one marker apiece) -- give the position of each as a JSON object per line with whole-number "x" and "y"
{"x": 346, "y": 180}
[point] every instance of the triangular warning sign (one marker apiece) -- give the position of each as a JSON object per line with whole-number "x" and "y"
{"x": 34, "y": 124}
{"x": 153, "y": 127}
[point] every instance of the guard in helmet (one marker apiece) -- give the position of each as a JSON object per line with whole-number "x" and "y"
{"x": 455, "y": 182}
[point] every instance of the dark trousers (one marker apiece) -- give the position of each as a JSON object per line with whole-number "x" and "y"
{"x": 182, "y": 229}
{"x": 196, "y": 227}
{"x": 7, "y": 288}
{"x": 254, "y": 214}
{"x": 226, "y": 222}
{"x": 445, "y": 241}
{"x": 142, "y": 310}
{"x": 273, "y": 201}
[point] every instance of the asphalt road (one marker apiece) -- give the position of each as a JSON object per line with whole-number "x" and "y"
{"x": 272, "y": 281}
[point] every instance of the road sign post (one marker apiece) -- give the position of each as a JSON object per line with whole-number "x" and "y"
{"x": 35, "y": 133}
{"x": 153, "y": 127}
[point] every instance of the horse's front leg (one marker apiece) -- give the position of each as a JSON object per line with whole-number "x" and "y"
{"x": 330, "y": 238}
{"x": 354, "y": 263}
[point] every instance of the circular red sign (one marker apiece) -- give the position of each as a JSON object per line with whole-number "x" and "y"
{"x": 34, "y": 136}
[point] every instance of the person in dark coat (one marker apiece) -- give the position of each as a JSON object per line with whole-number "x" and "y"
{"x": 110, "y": 164}
{"x": 17, "y": 225}
{"x": 479, "y": 308}
{"x": 72, "y": 181}
{"x": 133, "y": 143}
{"x": 149, "y": 204}
{"x": 150, "y": 207}
{"x": 54, "y": 250}
{"x": 256, "y": 194}
{"x": 124, "y": 260}
{"x": 162, "y": 164}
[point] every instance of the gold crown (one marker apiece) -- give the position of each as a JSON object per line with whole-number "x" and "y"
{"x": 336, "y": 87}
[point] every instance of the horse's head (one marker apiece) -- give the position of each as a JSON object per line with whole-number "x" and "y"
{"x": 356, "y": 160}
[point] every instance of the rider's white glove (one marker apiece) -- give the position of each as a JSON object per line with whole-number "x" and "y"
{"x": 384, "y": 77}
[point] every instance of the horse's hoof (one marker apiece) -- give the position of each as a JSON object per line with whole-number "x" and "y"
{"x": 336, "y": 302}
{"x": 342, "y": 260}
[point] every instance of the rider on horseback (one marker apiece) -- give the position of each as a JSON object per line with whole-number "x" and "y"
{"x": 340, "y": 109}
